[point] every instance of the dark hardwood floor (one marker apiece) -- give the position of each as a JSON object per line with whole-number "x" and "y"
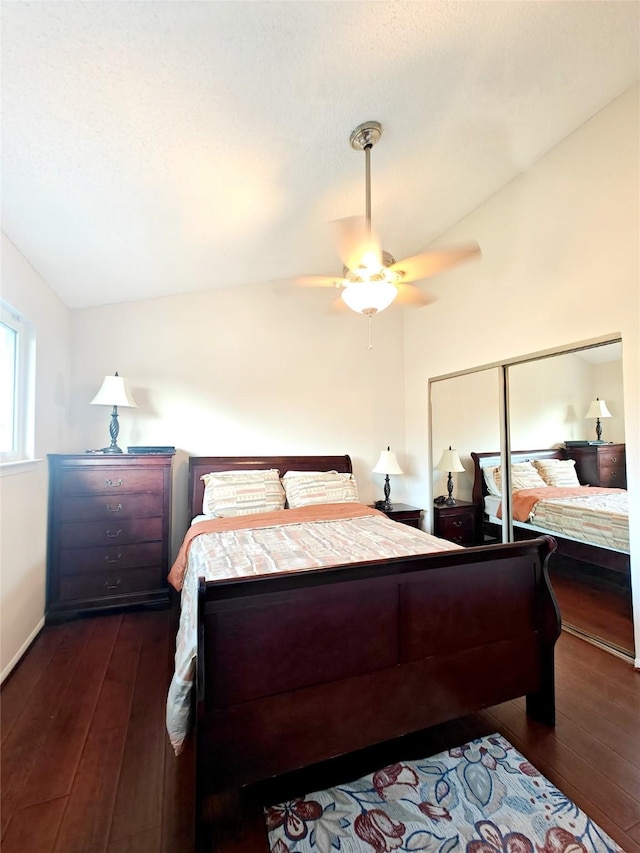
{"x": 595, "y": 602}
{"x": 86, "y": 766}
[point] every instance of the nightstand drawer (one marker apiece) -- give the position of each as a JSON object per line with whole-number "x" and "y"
{"x": 74, "y": 561}
{"x": 111, "y": 481}
{"x": 460, "y": 529}
{"x": 110, "y": 583}
{"x": 108, "y": 507}
{"x": 114, "y": 531}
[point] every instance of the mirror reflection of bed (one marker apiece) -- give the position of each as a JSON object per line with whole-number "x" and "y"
{"x": 590, "y": 569}
{"x": 548, "y": 398}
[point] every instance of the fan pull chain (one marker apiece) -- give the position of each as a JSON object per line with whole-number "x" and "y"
{"x": 369, "y": 316}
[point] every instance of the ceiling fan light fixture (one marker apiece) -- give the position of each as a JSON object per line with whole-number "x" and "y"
{"x": 369, "y": 297}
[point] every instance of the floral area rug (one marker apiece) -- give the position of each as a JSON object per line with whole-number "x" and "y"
{"x": 483, "y": 797}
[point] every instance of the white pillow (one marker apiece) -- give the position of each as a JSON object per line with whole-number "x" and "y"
{"x": 557, "y": 472}
{"x": 316, "y": 474}
{"x": 231, "y": 493}
{"x": 523, "y": 476}
{"x": 490, "y": 480}
{"x": 324, "y": 488}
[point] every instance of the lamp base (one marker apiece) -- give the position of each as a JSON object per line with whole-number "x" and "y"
{"x": 450, "y": 501}
{"x": 385, "y": 506}
{"x": 112, "y": 449}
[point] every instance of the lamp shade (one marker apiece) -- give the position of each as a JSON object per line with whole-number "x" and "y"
{"x": 114, "y": 391}
{"x": 450, "y": 461}
{"x": 369, "y": 297}
{"x": 598, "y": 409}
{"x": 387, "y": 463}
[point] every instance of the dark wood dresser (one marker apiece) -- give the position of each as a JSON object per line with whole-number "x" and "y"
{"x": 600, "y": 465}
{"x": 108, "y": 542}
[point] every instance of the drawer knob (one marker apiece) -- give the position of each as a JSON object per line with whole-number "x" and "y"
{"x": 457, "y": 524}
{"x": 113, "y": 535}
{"x": 612, "y": 474}
{"x": 119, "y": 482}
{"x": 117, "y": 509}
{"x": 113, "y": 585}
{"x": 111, "y": 559}
{"x": 614, "y": 459}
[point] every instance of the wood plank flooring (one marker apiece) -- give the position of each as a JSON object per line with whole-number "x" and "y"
{"x": 595, "y": 602}
{"x": 86, "y": 766}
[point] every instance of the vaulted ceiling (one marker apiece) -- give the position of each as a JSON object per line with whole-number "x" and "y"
{"x": 151, "y": 148}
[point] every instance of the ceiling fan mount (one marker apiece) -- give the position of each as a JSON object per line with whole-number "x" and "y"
{"x": 366, "y": 135}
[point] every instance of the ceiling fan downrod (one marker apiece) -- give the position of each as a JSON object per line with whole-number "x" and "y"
{"x": 363, "y": 138}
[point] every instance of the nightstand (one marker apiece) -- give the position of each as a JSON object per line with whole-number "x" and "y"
{"x": 600, "y": 465}
{"x": 108, "y": 532}
{"x": 405, "y": 514}
{"x": 458, "y": 523}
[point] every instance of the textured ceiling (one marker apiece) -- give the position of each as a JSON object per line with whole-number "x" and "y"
{"x": 151, "y": 148}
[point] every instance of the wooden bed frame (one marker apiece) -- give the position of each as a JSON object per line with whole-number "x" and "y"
{"x": 298, "y": 668}
{"x": 593, "y": 554}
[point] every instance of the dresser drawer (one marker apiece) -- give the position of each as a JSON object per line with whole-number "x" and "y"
{"x": 110, "y": 507}
{"x": 110, "y": 583}
{"x": 113, "y": 532}
{"x": 111, "y": 481}
{"x": 612, "y": 475}
{"x": 75, "y": 561}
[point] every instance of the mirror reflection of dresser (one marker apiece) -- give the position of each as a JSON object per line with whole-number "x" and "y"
{"x": 600, "y": 465}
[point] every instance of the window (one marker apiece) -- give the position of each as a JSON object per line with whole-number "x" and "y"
{"x": 17, "y": 349}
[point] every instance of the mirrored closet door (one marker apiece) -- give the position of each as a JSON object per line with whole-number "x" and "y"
{"x": 541, "y": 404}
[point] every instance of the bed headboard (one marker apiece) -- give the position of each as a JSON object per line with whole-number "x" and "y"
{"x": 487, "y": 460}
{"x": 199, "y": 465}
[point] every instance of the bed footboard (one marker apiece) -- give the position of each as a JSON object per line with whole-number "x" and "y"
{"x": 296, "y": 669}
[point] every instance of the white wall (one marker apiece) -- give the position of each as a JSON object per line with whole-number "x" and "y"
{"x": 560, "y": 264}
{"x": 23, "y": 489}
{"x": 465, "y": 413}
{"x": 608, "y": 384}
{"x": 238, "y": 372}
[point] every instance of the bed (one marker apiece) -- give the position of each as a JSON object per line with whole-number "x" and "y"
{"x": 297, "y": 667}
{"x": 593, "y": 528}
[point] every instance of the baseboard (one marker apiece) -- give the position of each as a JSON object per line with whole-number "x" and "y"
{"x": 15, "y": 660}
{"x": 612, "y": 648}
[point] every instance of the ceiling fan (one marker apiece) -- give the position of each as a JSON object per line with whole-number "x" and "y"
{"x": 371, "y": 278}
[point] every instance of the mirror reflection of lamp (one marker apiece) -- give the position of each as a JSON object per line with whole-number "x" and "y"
{"x": 450, "y": 462}
{"x": 598, "y": 409}
{"x": 387, "y": 464}
{"x": 114, "y": 391}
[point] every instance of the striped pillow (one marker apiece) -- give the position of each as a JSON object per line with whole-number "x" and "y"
{"x": 523, "y": 476}
{"x": 558, "y": 472}
{"x": 324, "y": 488}
{"x": 231, "y": 493}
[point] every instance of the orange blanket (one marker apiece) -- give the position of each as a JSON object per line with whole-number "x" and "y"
{"x": 524, "y": 500}
{"x": 316, "y": 512}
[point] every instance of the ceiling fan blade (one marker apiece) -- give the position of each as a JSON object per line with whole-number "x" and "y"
{"x": 357, "y": 243}
{"x": 318, "y": 281}
{"x": 427, "y": 264}
{"x": 410, "y": 294}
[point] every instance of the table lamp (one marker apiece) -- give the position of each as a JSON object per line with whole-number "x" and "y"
{"x": 386, "y": 464}
{"x": 450, "y": 461}
{"x": 598, "y": 409}
{"x": 114, "y": 392}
